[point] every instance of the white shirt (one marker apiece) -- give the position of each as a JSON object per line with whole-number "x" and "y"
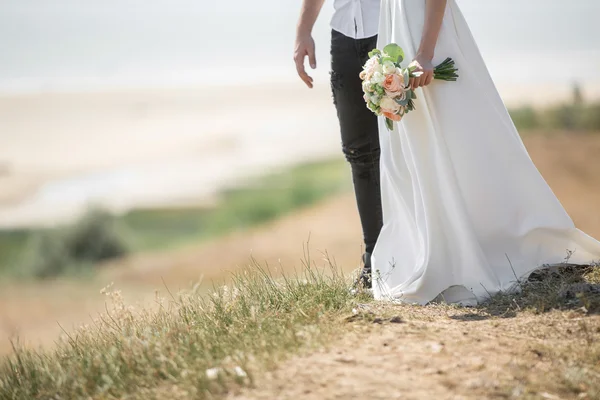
{"x": 357, "y": 19}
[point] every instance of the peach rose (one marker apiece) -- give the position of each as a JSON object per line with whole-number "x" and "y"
{"x": 393, "y": 117}
{"x": 394, "y": 85}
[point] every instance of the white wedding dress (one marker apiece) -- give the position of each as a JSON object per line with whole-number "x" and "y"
{"x": 465, "y": 210}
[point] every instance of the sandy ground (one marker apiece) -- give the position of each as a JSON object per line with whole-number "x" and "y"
{"x": 33, "y": 311}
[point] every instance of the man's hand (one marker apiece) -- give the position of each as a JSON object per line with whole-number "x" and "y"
{"x": 424, "y": 70}
{"x": 305, "y": 46}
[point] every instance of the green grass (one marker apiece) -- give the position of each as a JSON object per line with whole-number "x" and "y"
{"x": 260, "y": 200}
{"x": 233, "y": 333}
{"x": 25, "y": 253}
{"x": 12, "y": 244}
{"x": 575, "y": 116}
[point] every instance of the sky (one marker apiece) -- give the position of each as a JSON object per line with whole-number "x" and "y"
{"x": 86, "y": 44}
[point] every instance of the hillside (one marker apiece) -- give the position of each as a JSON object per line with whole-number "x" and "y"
{"x": 536, "y": 347}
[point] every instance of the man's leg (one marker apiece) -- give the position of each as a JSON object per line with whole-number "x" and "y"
{"x": 360, "y": 135}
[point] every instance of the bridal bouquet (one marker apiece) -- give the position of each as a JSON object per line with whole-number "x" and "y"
{"x": 387, "y": 85}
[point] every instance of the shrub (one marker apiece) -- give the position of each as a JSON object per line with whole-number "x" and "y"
{"x": 573, "y": 115}
{"x": 525, "y": 117}
{"x": 46, "y": 255}
{"x": 96, "y": 237}
{"x": 74, "y": 249}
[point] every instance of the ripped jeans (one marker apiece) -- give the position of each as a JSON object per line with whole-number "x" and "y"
{"x": 358, "y": 125}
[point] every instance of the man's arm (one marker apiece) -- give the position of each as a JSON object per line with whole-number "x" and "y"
{"x": 305, "y": 45}
{"x": 434, "y": 15}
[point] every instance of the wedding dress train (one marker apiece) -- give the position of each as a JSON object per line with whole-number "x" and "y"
{"x": 465, "y": 210}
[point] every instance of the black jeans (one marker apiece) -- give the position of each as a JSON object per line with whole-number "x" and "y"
{"x": 360, "y": 136}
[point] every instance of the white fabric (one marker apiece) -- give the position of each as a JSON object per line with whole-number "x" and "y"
{"x": 357, "y": 19}
{"x": 461, "y": 196}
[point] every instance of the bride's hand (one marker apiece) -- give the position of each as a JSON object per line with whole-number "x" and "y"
{"x": 424, "y": 70}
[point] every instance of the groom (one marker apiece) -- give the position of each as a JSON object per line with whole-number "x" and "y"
{"x": 354, "y": 35}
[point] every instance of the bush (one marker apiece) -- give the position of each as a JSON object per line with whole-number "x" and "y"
{"x": 525, "y": 118}
{"x": 575, "y": 115}
{"x": 46, "y": 255}
{"x": 74, "y": 249}
{"x": 95, "y": 237}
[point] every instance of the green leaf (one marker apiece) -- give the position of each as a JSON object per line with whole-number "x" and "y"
{"x": 406, "y": 77}
{"x": 413, "y": 95}
{"x": 390, "y": 124}
{"x": 374, "y": 52}
{"x": 395, "y": 52}
{"x": 404, "y": 102}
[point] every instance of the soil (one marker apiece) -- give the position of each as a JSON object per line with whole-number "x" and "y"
{"x": 437, "y": 352}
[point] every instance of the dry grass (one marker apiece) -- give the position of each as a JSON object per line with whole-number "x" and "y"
{"x": 566, "y": 287}
{"x": 32, "y": 310}
{"x": 536, "y": 344}
{"x": 197, "y": 346}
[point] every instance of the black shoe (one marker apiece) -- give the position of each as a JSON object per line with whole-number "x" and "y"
{"x": 365, "y": 279}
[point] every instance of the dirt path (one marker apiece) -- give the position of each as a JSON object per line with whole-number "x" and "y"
{"x": 439, "y": 352}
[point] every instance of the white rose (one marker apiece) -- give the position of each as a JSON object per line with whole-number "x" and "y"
{"x": 371, "y": 63}
{"x": 366, "y": 85}
{"x": 388, "y": 104}
{"x": 378, "y": 78}
{"x": 375, "y": 99}
{"x": 389, "y": 67}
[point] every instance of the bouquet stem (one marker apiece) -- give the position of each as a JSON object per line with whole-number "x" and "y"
{"x": 446, "y": 71}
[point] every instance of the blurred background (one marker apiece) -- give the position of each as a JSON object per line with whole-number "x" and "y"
{"x": 159, "y": 142}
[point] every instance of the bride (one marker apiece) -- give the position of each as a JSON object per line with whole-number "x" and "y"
{"x": 466, "y": 213}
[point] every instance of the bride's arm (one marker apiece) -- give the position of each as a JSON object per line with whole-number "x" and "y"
{"x": 434, "y": 15}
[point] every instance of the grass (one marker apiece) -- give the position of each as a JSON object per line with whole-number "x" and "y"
{"x": 572, "y": 116}
{"x": 195, "y": 346}
{"x": 24, "y": 253}
{"x": 567, "y": 287}
{"x": 12, "y": 243}
{"x": 260, "y": 200}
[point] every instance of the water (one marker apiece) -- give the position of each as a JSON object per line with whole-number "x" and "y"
{"x": 86, "y": 44}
